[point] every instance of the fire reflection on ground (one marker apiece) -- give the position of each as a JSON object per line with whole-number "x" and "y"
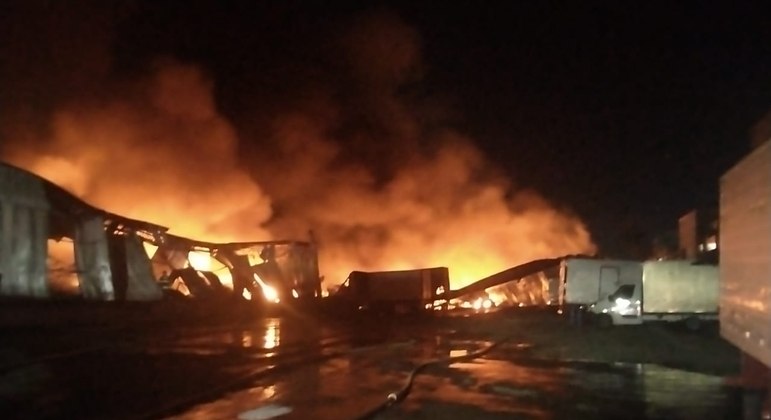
{"x": 489, "y": 387}
{"x": 272, "y": 333}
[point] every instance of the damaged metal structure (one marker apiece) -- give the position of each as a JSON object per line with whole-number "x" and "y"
{"x": 109, "y": 260}
{"x": 51, "y": 240}
{"x": 277, "y": 270}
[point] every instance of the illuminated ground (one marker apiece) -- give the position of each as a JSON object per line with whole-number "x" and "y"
{"x": 306, "y": 368}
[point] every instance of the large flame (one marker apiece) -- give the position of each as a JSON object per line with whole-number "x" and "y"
{"x": 163, "y": 155}
{"x": 381, "y": 181}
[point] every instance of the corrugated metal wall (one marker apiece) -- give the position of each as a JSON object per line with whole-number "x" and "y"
{"x": 92, "y": 260}
{"x": 23, "y": 234}
{"x": 141, "y": 281}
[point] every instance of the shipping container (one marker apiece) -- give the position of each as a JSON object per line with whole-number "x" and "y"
{"x": 396, "y": 291}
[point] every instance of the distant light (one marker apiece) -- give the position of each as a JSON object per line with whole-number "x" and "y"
{"x": 295, "y": 294}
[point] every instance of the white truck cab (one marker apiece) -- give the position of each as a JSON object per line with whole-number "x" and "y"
{"x": 622, "y": 307}
{"x": 586, "y": 281}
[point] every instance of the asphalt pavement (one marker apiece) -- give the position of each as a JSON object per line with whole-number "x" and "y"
{"x": 304, "y": 367}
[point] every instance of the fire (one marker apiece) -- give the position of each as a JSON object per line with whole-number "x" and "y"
{"x": 379, "y": 188}
{"x": 201, "y": 261}
{"x": 62, "y": 272}
{"x": 496, "y": 298}
{"x": 272, "y": 334}
{"x": 204, "y": 261}
{"x": 270, "y": 293}
{"x": 150, "y": 249}
{"x": 167, "y": 158}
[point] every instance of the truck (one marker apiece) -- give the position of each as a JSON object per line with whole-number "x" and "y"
{"x": 585, "y": 281}
{"x": 744, "y": 244}
{"x": 403, "y": 291}
{"x": 618, "y": 292}
{"x": 669, "y": 291}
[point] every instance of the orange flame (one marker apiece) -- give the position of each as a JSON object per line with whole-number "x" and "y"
{"x": 163, "y": 153}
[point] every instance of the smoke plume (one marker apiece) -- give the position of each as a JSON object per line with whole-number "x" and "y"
{"x": 384, "y": 186}
{"x": 161, "y": 154}
{"x": 380, "y": 178}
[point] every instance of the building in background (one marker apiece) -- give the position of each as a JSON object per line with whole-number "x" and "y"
{"x": 761, "y": 131}
{"x": 698, "y": 235}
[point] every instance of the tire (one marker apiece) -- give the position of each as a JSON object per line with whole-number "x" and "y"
{"x": 693, "y": 323}
{"x": 604, "y": 321}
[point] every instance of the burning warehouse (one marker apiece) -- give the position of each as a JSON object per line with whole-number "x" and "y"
{"x": 108, "y": 259}
{"x": 276, "y": 270}
{"x": 52, "y": 243}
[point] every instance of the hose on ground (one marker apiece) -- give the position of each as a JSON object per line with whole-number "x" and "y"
{"x": 400, "y": 395}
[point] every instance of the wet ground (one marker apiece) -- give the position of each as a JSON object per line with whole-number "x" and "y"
{"x": 303, "y": 367}
{"x": 506, "y": 383}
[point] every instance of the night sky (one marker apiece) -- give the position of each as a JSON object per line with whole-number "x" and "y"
{"x": 625, "y": 113}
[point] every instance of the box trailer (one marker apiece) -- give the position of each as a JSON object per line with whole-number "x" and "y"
{"x": 745, "y": 254}
{"x": 620, "y": 292}
{"x": 676, "y": 290}
{"x": 395, "y": 291}
{"x": 745, "y": 266}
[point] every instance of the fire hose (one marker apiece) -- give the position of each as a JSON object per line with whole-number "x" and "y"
{"x": 400, "y": 395}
